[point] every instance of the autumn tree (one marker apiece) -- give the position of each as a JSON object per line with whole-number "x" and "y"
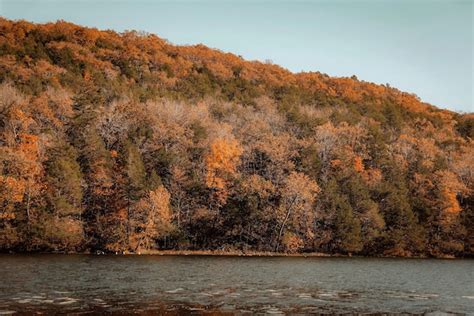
{"x": 221, "y": 163}
{"x": 20, "y": 169}
{"x": 297, "y": 198}
{"x": 150, "y": 219}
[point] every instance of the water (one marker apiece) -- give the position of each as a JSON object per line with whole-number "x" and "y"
{"x": 176, "y": 285}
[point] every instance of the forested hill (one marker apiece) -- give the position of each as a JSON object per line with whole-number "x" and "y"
{"x": 124, "y": 142}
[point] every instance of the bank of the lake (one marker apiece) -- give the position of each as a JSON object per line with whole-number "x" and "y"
{"x": 237, "y": 253}
{"x": 240, "y": 253}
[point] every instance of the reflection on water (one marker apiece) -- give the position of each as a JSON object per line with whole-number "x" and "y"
{"x": 232, "y": 285}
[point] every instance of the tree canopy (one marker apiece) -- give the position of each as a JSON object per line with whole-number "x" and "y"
{"x": 125, "y": 142}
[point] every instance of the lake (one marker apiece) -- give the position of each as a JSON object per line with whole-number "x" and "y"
{"x": 176, "y": 285}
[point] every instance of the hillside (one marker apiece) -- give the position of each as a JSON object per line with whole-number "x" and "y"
{"x": 125, "y": 142}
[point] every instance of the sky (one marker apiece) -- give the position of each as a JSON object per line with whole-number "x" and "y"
{"x": 419, "y": 46}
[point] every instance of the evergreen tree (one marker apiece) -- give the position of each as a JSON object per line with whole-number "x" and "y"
{"x": 347, "y": 231}
{"x": 403, "y": 233}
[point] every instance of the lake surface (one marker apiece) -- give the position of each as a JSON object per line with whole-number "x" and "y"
{"x": 176, "y": 285}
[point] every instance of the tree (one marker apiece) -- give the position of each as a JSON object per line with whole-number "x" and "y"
{"x": 22, "y": 177}
{"x": 346, "y": 237}
{"x": 403, "y": 234}
{"x": 62, "y": 227}
{"x": 105, "y": 223}
{"x": 347, "y": 227}
{"x": 221, "y": 165}
{"x": 135, "y": 170}
{"x": 150, "y": 219}
{"x": 65, "y": 180}
{"x": 297, "y": 198}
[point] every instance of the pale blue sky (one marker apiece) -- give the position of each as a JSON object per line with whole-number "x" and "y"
{"x": 420, "y": 46}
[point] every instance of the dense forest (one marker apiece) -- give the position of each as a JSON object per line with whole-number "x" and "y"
{"x": 125, "y": 142}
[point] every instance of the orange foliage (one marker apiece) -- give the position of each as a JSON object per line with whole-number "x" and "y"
{"x": 452, "y": 203}
{"x": 221, "y": 164}
{"x": 220, "y": 157}
{"x": 450, "y": 187}
{"x": 372, "y": 176}
{"x": 358, "y": 164}
{"x": 147, "y": 51}
{"x": 12, "y": 188}
{"x": 336, "y": 163}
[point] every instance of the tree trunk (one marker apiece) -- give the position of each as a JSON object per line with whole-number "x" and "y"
{"x": 277, "y": 246}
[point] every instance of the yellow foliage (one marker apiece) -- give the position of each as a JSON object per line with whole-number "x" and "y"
{"x": 160, "y": 201}
{"x": 150, "y": 219}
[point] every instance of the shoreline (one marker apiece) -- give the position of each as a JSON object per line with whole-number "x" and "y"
{"x": 235, "y": 253}
{"x": 231, "y": 253}
{"x": 220, "y": 253}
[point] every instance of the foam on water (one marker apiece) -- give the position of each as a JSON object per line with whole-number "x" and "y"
{"x": 305, "y": 295}
{"x": 61, "y": 292}
{"x": 47, "y": 301}
{"x": 274, "y": 311}
{"x": 175, "y": 291}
